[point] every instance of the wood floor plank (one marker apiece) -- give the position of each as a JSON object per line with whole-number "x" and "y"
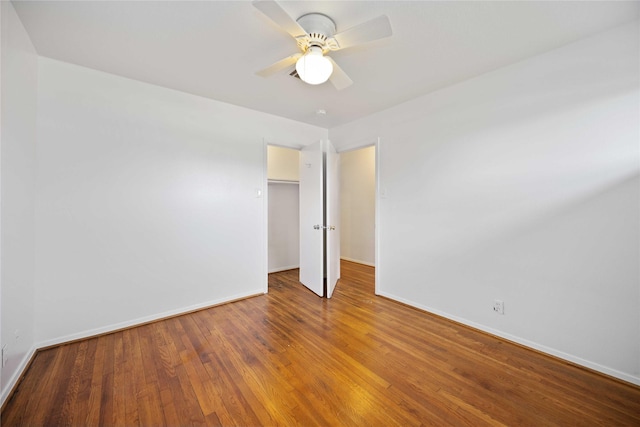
{"x": 131, "y": 377}
{"x": 49, "y": 408}
{"x": 184, "y": 398}
{"x": 68, "y": 407}
{"x": 292, "y": 358}
{"x": 153, "y": 412}
{"x": 119, "y": 380}
{"x": 97, "y": 381}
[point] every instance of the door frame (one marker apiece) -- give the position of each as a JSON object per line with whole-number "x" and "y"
{"x": 264, "y": 191}
{"x": 380, "y": 193}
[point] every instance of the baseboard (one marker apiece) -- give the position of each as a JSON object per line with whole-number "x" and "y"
{"x": 90, "y": 333}
{"x": 143, "y": 320}
{"x": 575, "y": 360}
{"x": 17, "y": 375}
{"x": 357, "y": 261}
{"x": 289, "y": 267}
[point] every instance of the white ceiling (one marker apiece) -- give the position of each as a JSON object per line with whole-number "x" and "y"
{"x": 214, "y": 48}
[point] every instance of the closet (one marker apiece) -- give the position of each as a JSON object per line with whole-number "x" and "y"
{"x": 283, "y": 174}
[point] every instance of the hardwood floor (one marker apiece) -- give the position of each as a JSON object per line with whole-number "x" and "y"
{"x": 291, "y": 358}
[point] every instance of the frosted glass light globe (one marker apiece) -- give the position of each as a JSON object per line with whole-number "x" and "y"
{"x": 313, "y": 68}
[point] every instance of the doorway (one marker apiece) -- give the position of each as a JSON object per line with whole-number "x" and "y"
{"x": 358, "y": 205}
{"x": 303, "y": 214}
{"x": 357, "y": 216}
{"x": 283, "y": 207}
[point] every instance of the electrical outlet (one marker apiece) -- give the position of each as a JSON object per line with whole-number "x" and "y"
{"x": 498, "y": 306}
{"x": 5, "y": 355}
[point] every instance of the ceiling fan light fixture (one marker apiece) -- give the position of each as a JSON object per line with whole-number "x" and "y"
{"x": 313, "y": 68}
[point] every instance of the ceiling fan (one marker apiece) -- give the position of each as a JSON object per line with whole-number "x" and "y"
{"x": 316, "y": 35}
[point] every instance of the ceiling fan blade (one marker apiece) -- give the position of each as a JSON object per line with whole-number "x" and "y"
{"x": 272, "y": 10}
{"x": 339, "y": 78}
{"x": 280, "y": 65}
{"x": 377, "y": 28}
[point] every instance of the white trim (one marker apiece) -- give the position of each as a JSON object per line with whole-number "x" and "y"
{"x": 17, "y": 374}
{"x": 2, "y": 43}
{"x": 376, "y": 285}
{"x": 357, "y": 261}
{"x": 265, "y": 215}
{"x": 531, "y": 344}
{"x": 364, "y": 143}
{"x": 285, "y": 268}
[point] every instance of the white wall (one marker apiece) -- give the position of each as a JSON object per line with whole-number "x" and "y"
{"x": 17, "y": 177}
{"x": 357, "y": 205}
{"x": 522, "y": 185}
{"x": 284, "y": 226}
{"x": 146, "y": 200}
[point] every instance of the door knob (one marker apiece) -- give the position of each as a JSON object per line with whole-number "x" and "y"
{"x": 324, "y": 227}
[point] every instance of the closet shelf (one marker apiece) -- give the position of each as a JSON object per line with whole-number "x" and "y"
{"x": 280, "y": 181}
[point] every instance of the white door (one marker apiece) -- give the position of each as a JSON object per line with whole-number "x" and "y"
{"x": 332, "y": 198}
{"x": 311, "y": 216}
{"x": 319, "y": 232}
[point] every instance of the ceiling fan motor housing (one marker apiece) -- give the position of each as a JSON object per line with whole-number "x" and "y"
{"x": 319, "y": 29}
